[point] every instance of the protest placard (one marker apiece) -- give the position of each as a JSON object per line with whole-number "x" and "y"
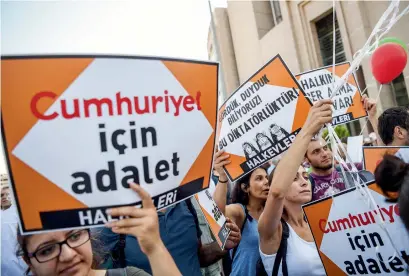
{"x": 318, "y": 84}
{"x": 354, "y": 148}
{"x": 261, "y": 118}
{"x": 214, "y": 217}
{"x": 78, "y": 129}
{"x": 349, "y": 237}
{"x": 373, "y": 155}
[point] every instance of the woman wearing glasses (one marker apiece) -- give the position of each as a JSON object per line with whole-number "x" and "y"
{"x": 70, "y": 252}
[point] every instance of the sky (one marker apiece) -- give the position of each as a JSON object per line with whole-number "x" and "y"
{"x": 171, "y": 28}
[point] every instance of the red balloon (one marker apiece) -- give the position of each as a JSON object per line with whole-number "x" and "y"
{"x": 388, "y": 62}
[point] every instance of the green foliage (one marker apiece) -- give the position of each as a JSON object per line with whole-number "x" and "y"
{"x": 341, "y": 130}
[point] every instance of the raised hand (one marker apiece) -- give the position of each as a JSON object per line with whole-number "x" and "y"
{"x": 319, "y": 115}
{"x": 369, "y": 105}
{"x": 235, "y": 235}
{"x": 221, "y": 158}
{"x": 141, "y": 223}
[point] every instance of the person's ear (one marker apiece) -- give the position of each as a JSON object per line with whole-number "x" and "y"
{"x": 306, "y": 159}
{"x": 244, "y": 187}
{"x": 398, "y": 132}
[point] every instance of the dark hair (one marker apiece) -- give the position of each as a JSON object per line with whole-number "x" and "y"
{"x": 22, "y": 249}
{"x": 392, "y": 176}
{"x": 251, "y": 146}
{"x": 389, "y": 119}
{"x": 240, "y": 196}
{"x": 403, "y": 204}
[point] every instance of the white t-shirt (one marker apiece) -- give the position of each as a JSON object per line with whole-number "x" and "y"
{"x": 10, "y": 263}
{"x": 302, "y": 258}
{"x": 403, "y": 154}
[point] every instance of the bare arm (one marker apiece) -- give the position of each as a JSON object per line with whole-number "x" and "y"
{"x": 269, "y": 222}
{"x": 220, "y": 195}
{"x": 211, "y": 253}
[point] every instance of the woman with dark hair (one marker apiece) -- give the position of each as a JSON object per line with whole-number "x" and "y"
{"x": 263, "y": 142}
{"x": 249, "y": 150}
{"x": 283, "y": 215}
{"x": 70, "y": 252}
{"x": 392, "y": 176}
{"x": 277, "y": 133}
{"x": 249, "y": 196}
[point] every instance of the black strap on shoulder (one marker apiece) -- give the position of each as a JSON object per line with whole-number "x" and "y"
{"x": 116, "y": 272}
{"x": 281, "y": 256}
{"x": 121, "y": 249}
{"x": 246, "y": 217}
{"x": 192, "y": 210}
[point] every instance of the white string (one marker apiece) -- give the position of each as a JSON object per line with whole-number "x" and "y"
{"x": 376, "y": 101}
{"x": 385, "y": 23}
{"x": 334, "y": 37}
{"x": 360, "y": 186}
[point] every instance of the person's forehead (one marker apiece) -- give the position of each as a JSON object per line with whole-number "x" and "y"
{"x": 317, "y": 144}
{"x": 259, "y": 171}
{"x": 37, "y": 239}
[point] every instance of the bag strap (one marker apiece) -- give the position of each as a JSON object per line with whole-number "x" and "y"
{"x": 282, "y": 251}
{"x": 121, "y": 248}
{"x": 246, "y": 217}
{"x": 192, "y": 210}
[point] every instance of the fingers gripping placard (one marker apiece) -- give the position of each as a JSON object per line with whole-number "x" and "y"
{"x": 214, "y": 217}
{"x": 261, "y": 118}
{"x": 78, "y": 130}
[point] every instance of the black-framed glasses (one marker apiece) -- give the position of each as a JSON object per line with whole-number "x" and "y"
{"x": 52, "y": 251}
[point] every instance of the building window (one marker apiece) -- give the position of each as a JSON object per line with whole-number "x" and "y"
{"x": 325, "y": 38}
{"x": 275, "y": 6}
{"x": 399, "y": 89}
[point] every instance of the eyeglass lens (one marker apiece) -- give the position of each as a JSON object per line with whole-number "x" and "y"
{"x": 52, "y": 251}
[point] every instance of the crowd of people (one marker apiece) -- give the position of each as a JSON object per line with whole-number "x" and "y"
{"x": 269, "y": 233}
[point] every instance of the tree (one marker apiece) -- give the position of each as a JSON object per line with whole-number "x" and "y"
{"x": 341, "y": 130}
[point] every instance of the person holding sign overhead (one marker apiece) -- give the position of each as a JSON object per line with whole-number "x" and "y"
{"x": 327, "y": 178}
{"x": 249, "y": 196}
{"x": 284, "y": 233}
{"x": 71, "y": 253}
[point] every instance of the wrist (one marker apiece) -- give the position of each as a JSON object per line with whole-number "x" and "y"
{"x": 306, "y": 134}
{"x": 223, "y": 180}
{"x": 222, "y": 177}
{"x": 373, "y": 119}
{"x": 157, "y": 249}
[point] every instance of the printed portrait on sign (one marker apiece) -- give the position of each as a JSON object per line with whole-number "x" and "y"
{"x": 277, "y": 133}
{"x": 263, "y": 141}
{"x": 249, "y": 150}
